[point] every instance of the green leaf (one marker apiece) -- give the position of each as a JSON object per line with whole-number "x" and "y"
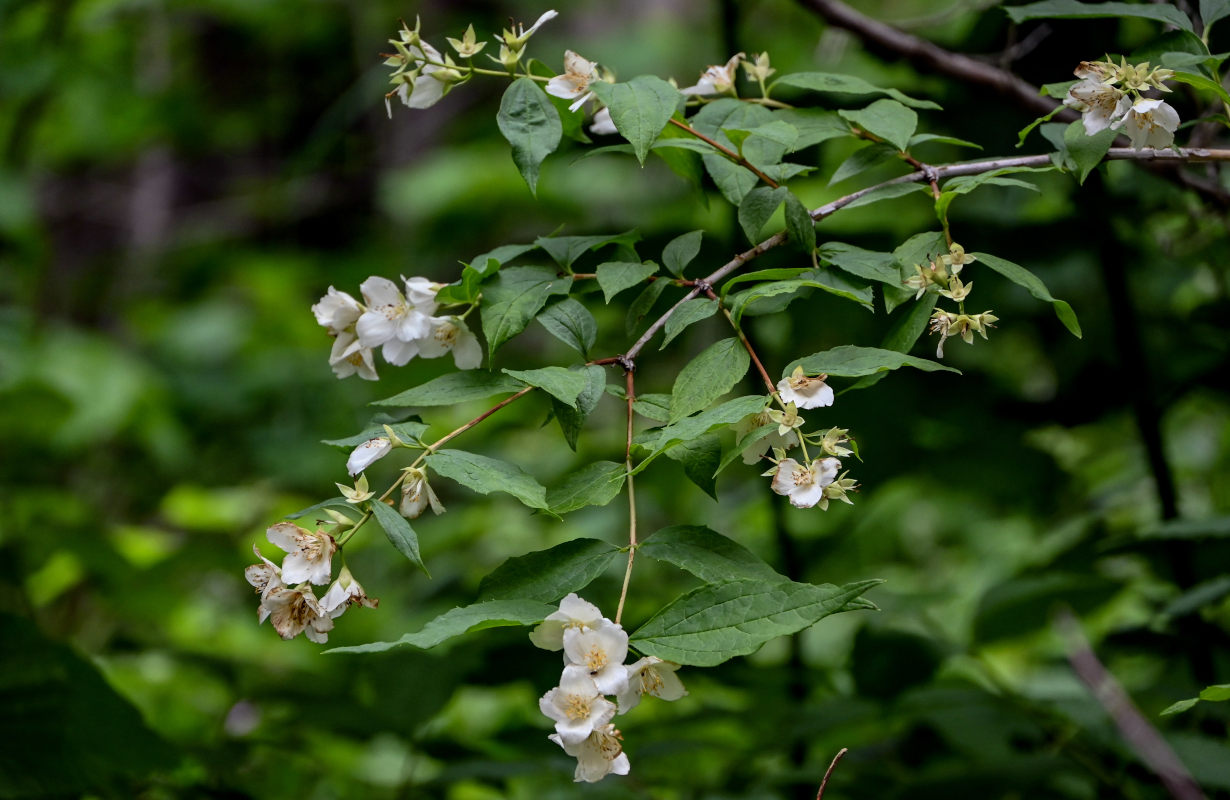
{"x": 887, "y": 119}
{"x": 501, "y": 255}
{"x": 485, "y": 475}
{"x": 904, "y": 331}
{"x": 845, "y": 84}
{"x": 640, "y": 108}
{"x": 732, "y": 180}
{"x": 564, "y": 250}
{"x": 452, "y": 388}
{"x": 1201, "y": 82}
{"x": 778, "y": 131}
{"x": 716, "y": 622}
{"x": 1024, "y": 132}
{"x": 562, "y": 384}
{"x": 654, "y": 406}
{"x": 1213, "y": 10}
{"x": 814, "y": 125}
{"x": 799, "y": 224}
{"x": 849, "y": 361}
{"x": 890, "y": 192}
{"x": 680, "y": 251}
{"x": 1023, "y": 277}
{"x": 490, "y": 614}
{"x": 548, "y": 575}
{"x": 531, "y": 125}
{"x": 332, "y": 502}
{"x": 463, "y": 291}
{"x": 399, "y": 532}
{"x": 707, "y": 377}
{"x": 862, "y": 160}
{"x": 779, "y": 294}
{"x": 1216, "y": 693}
{"x": 643, "y": 304}
{"x": 775, "y": 274}
{"x": 408, "y": 431}
{"x": 708, "y": 555}
{"x": 700, "y": 458}
{"x": 571, "y": 323}
{"x": 615, "y": 276}
{"x": 924, "y": 138}
{"x": 757, "y": 207}
{"x": 595, "y": 484}
{"x": 690, "y": 428}
{"x": 865, "y": 264}
{"x": 1087, "y": 151}
{"x": 1071, "y": 9}
{"x": 691, "y": 312}
{"x": 1180, "y": 706}
{"x": 514, "y": 298}
{"x": 572, "y": 419}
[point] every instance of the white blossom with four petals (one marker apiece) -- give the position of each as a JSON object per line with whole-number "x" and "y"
{"x": 308, "y": 555}
{"x": 573, "y": 613}
{"x": 650, "y": 675}
{"x": 576, "y": 705}
{"x": 601, "y": 650}
{"x": 804, "y": 484}
{"x": 1149, "y": 123}
{"x": 574, "y": 84}
{"x": 598, "y": 756}
{"x": 805, "y": 392}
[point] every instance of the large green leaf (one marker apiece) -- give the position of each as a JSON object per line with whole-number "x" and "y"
{"x": 399, "y": 532}
{"x": 845, "y": 84}
{"x": 706, "y": 554}
{"x": 687, "y": 429}
{"x": 719, "y": 621}
{"x": 640, "y": 108}
{"x": 1071, "y": 9}
{"x": 799, "y": 224}
{"x": 707, "y": 377}
{"x": 531, "y": 125}
{"x": 452, "y": 388}
{"x": 594, "y": 484}
{"x": 562, "y": 384}
{"x": 757, "y": 207}
{"x": 1213, "y": 10}
{"x": 571, "y": 323}
{"x": 514, "y": 298}
{"x": 1086, "y": 151}
{"x": 887, "y": 119}
{"x": 490, "y": 614}
{"x": 866, "y": 264}
{"x": 691, "y": 312}
{"x": 905, "y": 330}
{"x": 616, "y": 276}
{"x": 485, "y": 475}
{"x": 1023, "y": 277}
{"x": 548, "y": 575}
{"x": 849, "y": 361}
{"x": 814, "y": 125}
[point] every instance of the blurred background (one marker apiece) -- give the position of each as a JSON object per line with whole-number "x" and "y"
{"x": 180, "y": 181}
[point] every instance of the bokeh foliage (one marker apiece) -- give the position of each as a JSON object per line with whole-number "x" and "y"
{"x": 180, "y": 181}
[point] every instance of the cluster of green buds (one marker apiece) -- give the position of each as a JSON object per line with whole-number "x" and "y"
{"x": 943, "y": 275}
{"x": 1134, "y": 78}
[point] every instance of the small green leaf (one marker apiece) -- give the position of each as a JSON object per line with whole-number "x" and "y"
{"x": 1180, "y": 706}
{"x": 571, "y": 323}
{"x": 887, "y": 119}
{"x": 849, "y": 361}
{"x": 691, "y": 312}
{"x": 1087, "y": 151}
{"x": 1024, "y": 132}
{"x": 500, "y": 255}
{"x": 452, "y": 388}
{"x": 463, "y": 291}
{"x": 565, "y": 250}
{"x": 1201, "y": 82}
{"x": 490, "y": 614}
{"x": 531, "y": 125}
{"x": 719, "y": 621}
{"x": 680, "y": 251}
{"x": 594, "y": 485}
{"x": 814, "y": 125}
{"x": 640, "y": 108}
{"x": 1195, "y": 529}
{"x": 707, "y": 377}
{"x": 399, "y": 532}
{"x": 757, "y": 207}
{"x": 862, "y": 160}
{"x": 775, "y": 274}
{"x": 924, "y": 138}
{"x": 708, "y": 555}
{"x": 700, "y": 458}
{"x": 845, "y": 84}
{"x": 548, "y": 575}
{"x": 799, "y": 224}
{"x": 485, "y": 475}
{"x": 406, "y": 431}
{"x": 1216, "y": 693}
{"x": 654, "y": 406}
{"x": 643, "y": 304}
{"x": 562, "y": 384}
{"x": 572, "y": 419}
{"x": 865, "y": 264}
{"x": 690, "y": 428}
{"x": 1071, "y": 9}
{"x": 514, "y": 298}
{"x": 615, "y": 276}
{"x": 732, "y": 180}
{"x": 1023, "y": 277}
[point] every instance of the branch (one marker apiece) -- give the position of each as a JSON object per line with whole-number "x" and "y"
{"x": 829, "y": 772}
{"x": 1182, "y": 155}
{"x": 726, "y": 151}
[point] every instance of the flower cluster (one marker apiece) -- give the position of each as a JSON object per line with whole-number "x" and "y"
{"x": 943, "y": 275}
{"x": 1110, "y": 96}
{"x": 286, "y": 593}
{"x": 594, "y": 651}
{"x": 402, "y": 325}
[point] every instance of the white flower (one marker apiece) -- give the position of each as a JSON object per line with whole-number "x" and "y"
{"x": 601, "y": 651}
{"x": 1100, "y": 104}
{"x": 754, "y": 451}
{"x": 804, "y": 485}
{"x": 451, "y": 333}
{"x": 337, "y": 311}
{"x": 598, "y": 756}
{"x": 368, "y": 453}
{"x": 515, "y": 38}
{"x": 572, "y": 85}
{"x": 716, "y": 80}
{"x": 1149, "y": 123}
{"x": 345, "y": 592}
{"x": 308, "y": 555}
{"x": 417, "y": 495}
{"x": 390, "y": 321}
{"x": 573, "y": 613}
{"x": 266, "y": 577}
{"x": 295, "y": 611}
{"x": 576, "y": 705}
{"x": 421, "y": 293}
{"x": 805, "y": 392}
{"x": 602, "y": 125}
{"x": 650, "y": 675}
{"x": 349, "y": 357}
{"x": 428, "y": 87}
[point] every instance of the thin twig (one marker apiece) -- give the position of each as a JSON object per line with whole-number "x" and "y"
{"x": 726, "y": 151}
{"x": 630, "y": 394}
{"x": 824, "y": 783}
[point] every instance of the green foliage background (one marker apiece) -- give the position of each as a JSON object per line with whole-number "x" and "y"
{"x": 179, "y": 181}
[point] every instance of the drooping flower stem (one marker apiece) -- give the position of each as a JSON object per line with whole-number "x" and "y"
{"x": 630, "y": 390}
{"x": 726, "y": 151}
